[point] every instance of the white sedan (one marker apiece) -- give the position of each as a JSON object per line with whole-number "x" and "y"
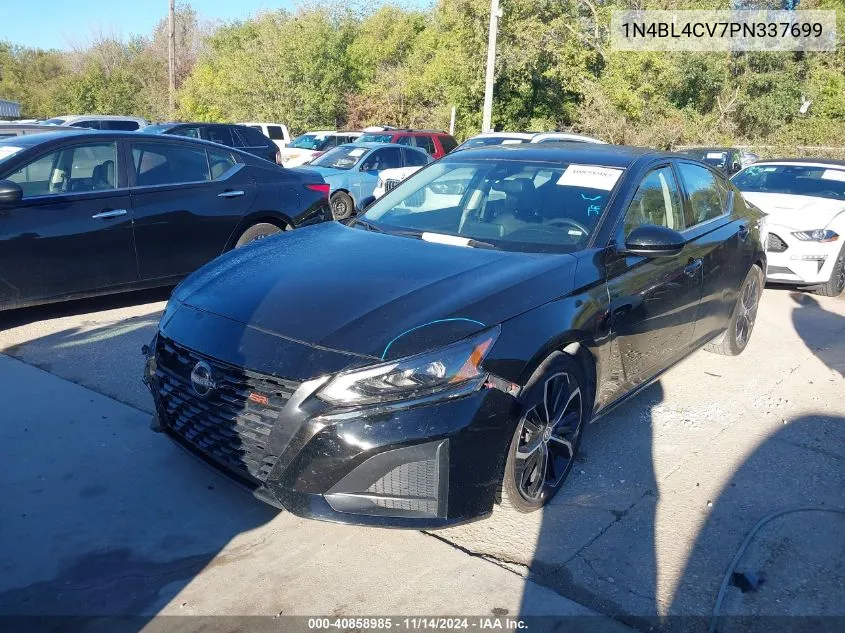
{"x": 804, "y": 203}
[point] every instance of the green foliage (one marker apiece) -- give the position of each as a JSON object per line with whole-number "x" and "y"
{"x": 325, "y": 66}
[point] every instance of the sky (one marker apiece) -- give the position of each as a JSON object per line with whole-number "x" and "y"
{"x": 64, "y": 25}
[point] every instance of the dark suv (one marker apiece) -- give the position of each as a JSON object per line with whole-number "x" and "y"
{"x": 436, "y": 143}
{"x": 241, "y": 137}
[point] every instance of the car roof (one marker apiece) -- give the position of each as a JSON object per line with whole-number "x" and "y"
{"x": 104, "y": 117}
{"x": 801, "y": 161}
{"x": 375, "y": 144}
{"x": 33, "y": 126}
{"x": 708, "y": 149}
{"x": 525, "y": 135}
{"x": 563, "y": 151}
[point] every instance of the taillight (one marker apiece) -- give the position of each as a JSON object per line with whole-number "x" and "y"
{"x": 321, "y": 187}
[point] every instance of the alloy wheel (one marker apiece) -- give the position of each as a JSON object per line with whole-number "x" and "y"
{"x": 747, "y": 311}
{"x": 548, "y": 437}
{"x": 339, "y": 208}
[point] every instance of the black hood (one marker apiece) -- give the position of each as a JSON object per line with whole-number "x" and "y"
{"x": 371, "y": 293}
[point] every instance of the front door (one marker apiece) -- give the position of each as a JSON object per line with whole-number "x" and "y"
{"x": 653, "y": 301}
{"x": 71, "y": 233}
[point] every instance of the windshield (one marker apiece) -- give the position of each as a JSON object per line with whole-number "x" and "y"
{"x": 8, "y": 149}
{"x": 479, "y": 141}
{"x": 308, "y": 141}
{"x": 714, "y": 158}
{"x": 511, "y": 205}
{"x": 375, "y": 138}
{"x": 52, "y": 122}
{"x": 343, "y": 157}
{"x": 819, "y": 181}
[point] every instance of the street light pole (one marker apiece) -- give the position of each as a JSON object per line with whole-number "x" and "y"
{"x": 495, "y": 14}
{"x": 171, "y": 61}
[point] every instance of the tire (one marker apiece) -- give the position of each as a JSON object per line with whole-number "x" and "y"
{"x": 735, "y": 339}
{"x": 538, "y": 447}
{"x": 342, "y": 205}
{"x": 257, "y": 232}
{"x": 836, "y": 284}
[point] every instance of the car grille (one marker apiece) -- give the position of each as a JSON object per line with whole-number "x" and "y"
{"x": 391, "y": 184}
{"x": 231, "y": 424}
{"x": 775, "y": 244}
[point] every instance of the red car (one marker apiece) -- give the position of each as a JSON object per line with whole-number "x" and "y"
{"x": 436, "y": 143}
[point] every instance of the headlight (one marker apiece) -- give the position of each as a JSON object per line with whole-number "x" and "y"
{"x": 818, "y": 235}
{"x": 457, "y": 365}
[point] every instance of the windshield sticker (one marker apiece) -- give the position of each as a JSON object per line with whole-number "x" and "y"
{"x": 7, "y": 151}
{"x": 717, "y": 155}
{"x": 451, "y": 240}
{"x": 589, "y": 177}
{"x": 358, "y": 152}
{"x": 833, "y": 174}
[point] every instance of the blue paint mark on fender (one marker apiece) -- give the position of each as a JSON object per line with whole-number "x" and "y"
{"x": 414, "y": 329}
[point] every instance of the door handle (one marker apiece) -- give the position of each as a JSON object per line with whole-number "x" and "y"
{"x": 743, "y": 232}
{"x": 230, "y": 194}
{"x": 691, "y": 269}
{"x": 107, "y": 215}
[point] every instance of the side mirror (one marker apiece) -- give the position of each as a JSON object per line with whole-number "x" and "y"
{"x": 650, "y": 240}
{"x": 10, "y": 192}
{"x": 365, "y": 204}
{"x": 735, "y": 167}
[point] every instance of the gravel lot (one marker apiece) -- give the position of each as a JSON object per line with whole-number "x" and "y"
{"x": 666, "y": 489}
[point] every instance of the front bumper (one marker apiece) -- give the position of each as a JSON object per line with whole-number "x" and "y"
{"x": 423, "y": 465}
{"x": 799, "y": 262}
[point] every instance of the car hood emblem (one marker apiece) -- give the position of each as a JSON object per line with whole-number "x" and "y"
{"x": 201, "y": 379}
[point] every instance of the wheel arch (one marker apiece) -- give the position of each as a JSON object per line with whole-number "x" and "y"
{"x": 277, "y": 218}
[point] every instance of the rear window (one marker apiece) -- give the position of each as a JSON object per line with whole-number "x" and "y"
{"x": 275, "y": 132}
{"x": 375, "y": 138}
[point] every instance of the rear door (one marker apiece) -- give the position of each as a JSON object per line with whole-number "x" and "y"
{"x": 186, "y": 199}
{"x": 72, "y": 232}
{"x": 653, "y": 301}
{"x": 717, "y": 239}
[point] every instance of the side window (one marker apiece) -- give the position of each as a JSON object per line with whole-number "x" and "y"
{"x": 168, "y": 164}
{"x": 725, "y": 194}
{"x": 656, "y": 201}
{"x": 414, "y": 158}
{"x": 190, "y": 132}
{"x": 76, "y": 169}
{"x": 448, "y": 143}
{"x": 705, "y": 201}
{"x": 275, "y": 132}
{"x": 251, "y": 137}
{"x": 126, "y": 126}
{"x": 92, "y": 125}
{"x": 386, "y": 158}
{"x": 427, "y": 143}
{"x": 220, "y": 134}
{"x": 220, "y": 163}
{"x": 406, "y": 140}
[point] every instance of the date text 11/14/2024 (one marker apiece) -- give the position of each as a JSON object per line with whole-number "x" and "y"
{"x": 417, "y": 623}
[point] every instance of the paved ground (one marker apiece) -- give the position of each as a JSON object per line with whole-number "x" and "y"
{"x": 666, "y": 489}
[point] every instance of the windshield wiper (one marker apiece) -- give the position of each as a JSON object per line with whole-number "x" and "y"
{"x": 481, "y": 244}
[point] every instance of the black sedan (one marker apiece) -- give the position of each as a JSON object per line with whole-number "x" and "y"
{"x": 241, "y": 137}
{"x": 499, "y": 299}
{"x": 98, "y": 212}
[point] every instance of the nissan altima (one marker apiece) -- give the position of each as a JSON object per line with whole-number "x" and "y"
{"x": 804, "y": 203}
{"x": 92, "y": 213}
{"x": 443, "y": 350}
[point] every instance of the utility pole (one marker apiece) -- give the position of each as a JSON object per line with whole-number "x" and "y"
{"x": 171, "y": 65}
{"x": 495, "y": 14}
